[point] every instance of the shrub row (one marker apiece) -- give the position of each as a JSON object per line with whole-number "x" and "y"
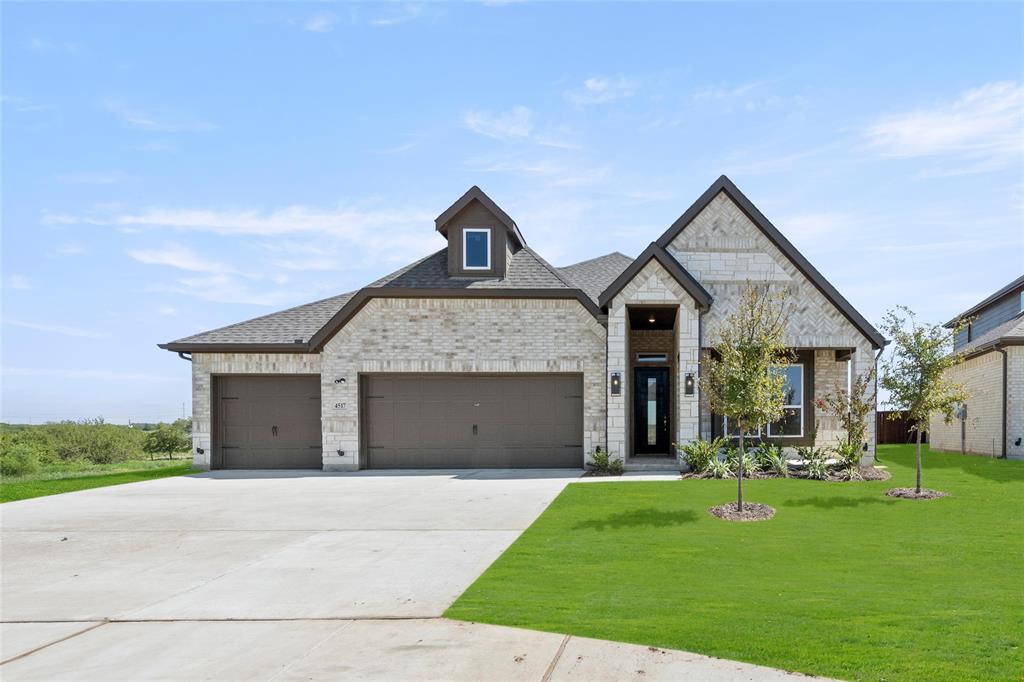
{"x": 720, "y": 459}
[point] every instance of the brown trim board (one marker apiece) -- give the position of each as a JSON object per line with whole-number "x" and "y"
{"x": 667, "y": 261}
{"x": 724, "y": 184}
{"x": 478, "y": 194}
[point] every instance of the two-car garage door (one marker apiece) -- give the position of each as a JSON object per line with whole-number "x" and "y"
{"x": 472, "y": 421}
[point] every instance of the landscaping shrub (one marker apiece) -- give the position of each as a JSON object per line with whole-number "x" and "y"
{"x": 765, "y": 453}
{"x": 849, "y": 453}
{"x": 719, "y": 468}
{"x": 750, "y": 465}
{"x": 698, "y": 454}
{"x": 601, "y": 461}
{"x": 20, "y": 459}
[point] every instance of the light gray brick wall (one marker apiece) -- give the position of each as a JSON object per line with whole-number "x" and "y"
{"x": 462, "y": 336}
{"x": 652, "y": 285}
{"x": 206, "y": 365}
{"x": 982, "y": 377}
{"x": 723, "y": 249}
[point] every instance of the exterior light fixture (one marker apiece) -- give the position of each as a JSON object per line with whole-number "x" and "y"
{"x": 651, "y": 318}
{"x": 688, "y": 384}
{"x": 340, "y": 380}
{"x": 616, "y": 383}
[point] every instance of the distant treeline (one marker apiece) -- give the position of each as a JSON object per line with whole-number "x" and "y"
{"x": 24, "y": 447}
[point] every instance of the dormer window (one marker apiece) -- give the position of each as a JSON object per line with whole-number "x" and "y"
{"x": 476, "y": 248}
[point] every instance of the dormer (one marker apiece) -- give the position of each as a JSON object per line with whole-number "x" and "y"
{"x": 481, "y": 237}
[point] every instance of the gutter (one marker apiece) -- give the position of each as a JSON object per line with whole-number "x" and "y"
{"x": 182, "y": 355}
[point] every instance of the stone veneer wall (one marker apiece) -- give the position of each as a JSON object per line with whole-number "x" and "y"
{"x": 206, "y": 365}
{"x": 652, "y": 285}
{"x": 723, "y": 249}
{"x": 459, "y": 335}
{"x": 982, "y": 376}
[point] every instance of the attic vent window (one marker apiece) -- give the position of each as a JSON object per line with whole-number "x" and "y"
{"x": 476, "y": 248}
{"x": 652, "y": 357}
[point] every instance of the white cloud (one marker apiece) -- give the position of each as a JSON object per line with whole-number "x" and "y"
{"x": 323, "y": 22}
{"x": 556, "y": 173}
{"x": 984, "y": 127}
{"x": 167, "y": 311}
{"x": 70, "y": 249}
{"x": 746, "y": 97}
{"x": 312, "y": 263}
{"x": 156, "y": 146}
{"x": 23, "y": 104}
{"x": 16, "y": 281}
{"x": 180, "y": 257}
{"x": 43, "y": 45}
{"x": 161, "y": 122}
{"x": 88, "y": 374}
{"x": 514, "y": 124}
{"x": 602, "y": 90}
{"x": 56, "y": 329}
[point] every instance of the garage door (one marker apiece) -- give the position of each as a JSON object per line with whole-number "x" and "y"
{"x": 269, "y": 422}
{"x": 455, "y": 421}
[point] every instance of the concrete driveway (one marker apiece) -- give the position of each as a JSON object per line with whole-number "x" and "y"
{"x": 270, "y": 575}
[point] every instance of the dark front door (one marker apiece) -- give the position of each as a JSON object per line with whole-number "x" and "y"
{"x": 650, "y": 425}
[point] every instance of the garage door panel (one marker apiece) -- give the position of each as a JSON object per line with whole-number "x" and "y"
{"x": 520, "y": 420}
{"x": 250, "y": 408}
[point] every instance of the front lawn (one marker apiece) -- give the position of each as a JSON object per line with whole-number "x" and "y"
{"x": 67, "y": 478}
{"x": 843, "y": 582}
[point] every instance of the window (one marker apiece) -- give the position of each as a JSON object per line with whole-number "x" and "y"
{"x": 652, "y": 357}
{"x": 476, "y": 248}
{"x": 792, "y": 423}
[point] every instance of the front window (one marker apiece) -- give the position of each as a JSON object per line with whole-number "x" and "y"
{"x": 792, "y": 423}
{"x": 476, "y": 249}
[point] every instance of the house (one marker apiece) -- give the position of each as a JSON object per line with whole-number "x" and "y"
{"x": 991, "y": 422}
{"x": 485, "y": 355}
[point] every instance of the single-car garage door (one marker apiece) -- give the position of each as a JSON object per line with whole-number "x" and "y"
{"x": 268, "y": 422}
{"x": 460, "y": 421}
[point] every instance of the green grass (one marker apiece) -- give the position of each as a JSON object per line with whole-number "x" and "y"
{"x": 68, "y": 478}
{"x": 843, "y": 582}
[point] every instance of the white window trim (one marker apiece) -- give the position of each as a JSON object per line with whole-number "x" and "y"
{"x": 466, "y": 231}
{"x": 768, "y": 429}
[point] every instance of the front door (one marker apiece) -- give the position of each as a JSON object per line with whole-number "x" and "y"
{"x": 650, "y": 425}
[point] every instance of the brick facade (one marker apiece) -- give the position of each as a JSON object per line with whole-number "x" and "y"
{"x": 462, "y": 336}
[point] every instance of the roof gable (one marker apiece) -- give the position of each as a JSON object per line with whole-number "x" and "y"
{"x": 978, "y": 307}
{"x": 474, "y": 193}
{"x": 678, "y": 272}
{"x": 726, "y": 186}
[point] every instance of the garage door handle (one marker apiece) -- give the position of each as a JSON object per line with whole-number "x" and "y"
{"x": 474, "y": 429}
{"x": 273, "y": 430}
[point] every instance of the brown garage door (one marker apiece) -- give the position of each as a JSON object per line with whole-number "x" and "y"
{"x": 268, "y": 422}
{"x": 458, "y": 421}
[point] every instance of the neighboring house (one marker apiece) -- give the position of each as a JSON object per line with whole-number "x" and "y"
{"x": 485, "y": 355}
{"x": 992, "y": 370}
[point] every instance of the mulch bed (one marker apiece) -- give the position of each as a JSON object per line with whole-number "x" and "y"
{"x": 873, "y": 474}
{"x": 752, "y": 511}
{"x": 912, "y": 494}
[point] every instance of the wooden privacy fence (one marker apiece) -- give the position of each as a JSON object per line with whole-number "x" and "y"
{"x": 894, "y": 427}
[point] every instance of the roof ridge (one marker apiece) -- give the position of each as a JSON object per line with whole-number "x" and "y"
{"x": 551, "y": 268}
{"x": 594, "y": 259}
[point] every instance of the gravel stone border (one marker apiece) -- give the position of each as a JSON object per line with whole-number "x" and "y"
{"x": 752, "y": 511}
{"x": 912, "y": 494}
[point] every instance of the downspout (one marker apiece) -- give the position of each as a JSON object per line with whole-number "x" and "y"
{"x": 1006, "y": 367}
{"x": 878, "y": 356}
{"x": 183, "y": 354}
{"x": 700, "y": 352}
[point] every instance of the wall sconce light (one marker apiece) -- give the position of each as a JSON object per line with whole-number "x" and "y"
{"x": 688, "y": 384}
{"x": 616, "y": 383}
{"x": 201, "y": 451}
{"x": 340, "y": 380}
{"x": 651, "y": 318}
{"x": 341, "y": 453}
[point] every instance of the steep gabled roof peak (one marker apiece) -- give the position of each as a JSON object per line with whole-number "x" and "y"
{"x": 474, "y": 193}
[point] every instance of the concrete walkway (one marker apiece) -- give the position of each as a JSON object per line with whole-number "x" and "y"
{"x": 269, "y": 575}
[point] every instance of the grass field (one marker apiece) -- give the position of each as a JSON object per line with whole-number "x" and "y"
{"x": 843, "y": 582}
{"x": 67, "y": 478}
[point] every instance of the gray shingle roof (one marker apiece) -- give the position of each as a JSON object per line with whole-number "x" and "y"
{"x": 285, "y": 326}
{"x": 1011, "y": 329}
{"x": 595, "y": 275}
{"x": 524, "y": 270}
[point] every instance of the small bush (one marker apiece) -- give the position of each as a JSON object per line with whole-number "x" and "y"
{"x": 817, "y": 469}
{"x": 21, "y": 459}
{"x": 765, "y": 453}
{"x": 698, "y": 454}
{"x": 776, "y": 463}
{"x": 166, "y": 440}
{"x": 601, "y": 461}
{"x": 849, "y": 453}
{"x": 718, "y": 468}
{"x": 750, "y": 465}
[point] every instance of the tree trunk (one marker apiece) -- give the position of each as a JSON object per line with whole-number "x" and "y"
{"x": 919, "y": 457}
{"x": 739, "y": 474}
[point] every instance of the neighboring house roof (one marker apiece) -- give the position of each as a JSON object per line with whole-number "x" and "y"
{"x": 475, "y": 193}
{"x": 668, "y": 261}
{"x": 724, "y": 184}
{"x": 593, "y": 276}
{"x": 1015, "y": 284}
{"x": 1009, "y": 333}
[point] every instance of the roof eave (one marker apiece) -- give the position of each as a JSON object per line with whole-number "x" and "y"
{"x": 207, "y": 347}
{"x": 655, "y": 252}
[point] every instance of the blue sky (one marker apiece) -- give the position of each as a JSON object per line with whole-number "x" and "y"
{"x": 170, "y": 168}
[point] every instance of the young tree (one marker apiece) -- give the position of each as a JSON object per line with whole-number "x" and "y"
{"x": 914, "y": 373}
{"x": 165, "y": 440}
{"x": 741, "y": 383}
{"x": 852, "y": 409}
